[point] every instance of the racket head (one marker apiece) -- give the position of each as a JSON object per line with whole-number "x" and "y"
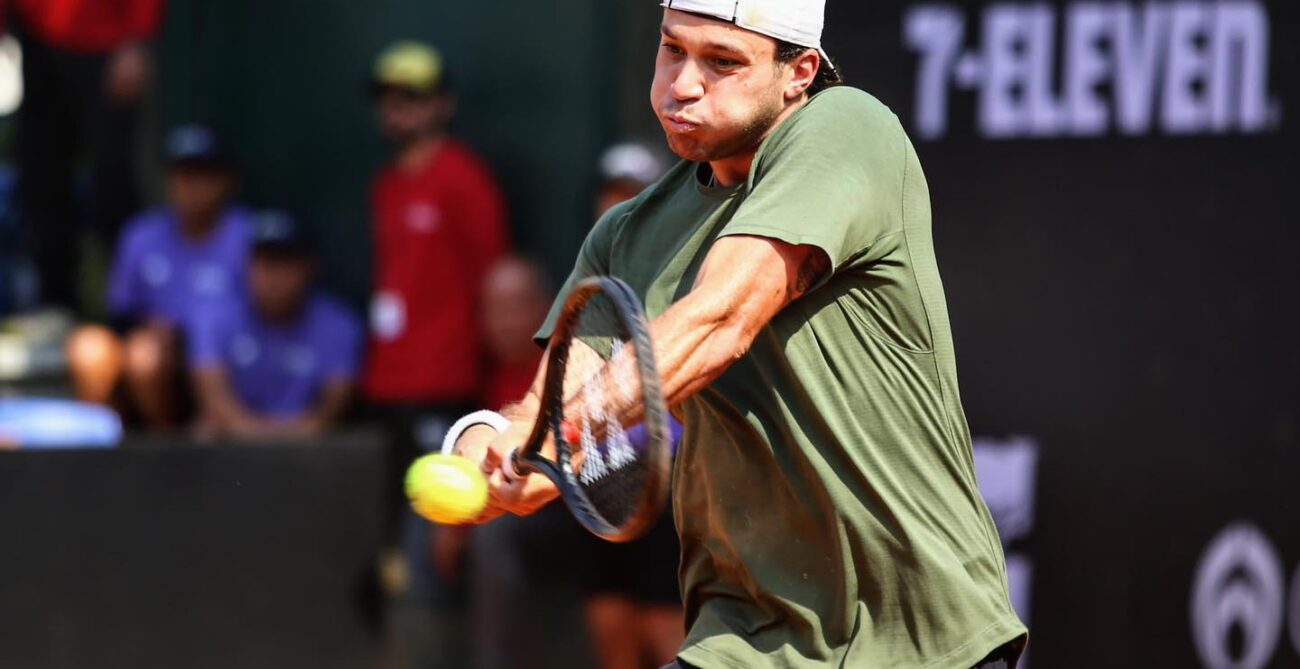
{"x": 614, "y": 478}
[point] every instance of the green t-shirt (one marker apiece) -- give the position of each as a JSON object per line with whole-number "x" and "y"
{"x": 824, "y": 489}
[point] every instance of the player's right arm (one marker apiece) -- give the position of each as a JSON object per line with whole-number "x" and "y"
{"x": 482, "y": 444}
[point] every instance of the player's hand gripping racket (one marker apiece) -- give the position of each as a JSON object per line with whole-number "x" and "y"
{"x": 601, "y": 358}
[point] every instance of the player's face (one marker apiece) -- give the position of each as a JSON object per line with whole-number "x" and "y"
{"x": 278, "y": 283}
{"x": 405, "y": 116}
{"x": 718, "y": 89}
{"x": 197, "y": 193}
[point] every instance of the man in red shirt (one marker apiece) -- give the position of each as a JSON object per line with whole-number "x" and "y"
{"x": 439, "y": 223}
{"x": 86, "y": 67}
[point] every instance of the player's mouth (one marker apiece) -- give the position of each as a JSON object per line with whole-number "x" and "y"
{"x": 679, "y": 124}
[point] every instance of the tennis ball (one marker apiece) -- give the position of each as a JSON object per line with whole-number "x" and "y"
{"x": 446, "y": 489}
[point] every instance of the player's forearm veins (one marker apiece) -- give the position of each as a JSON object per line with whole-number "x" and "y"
{"x": 743, "y": 284}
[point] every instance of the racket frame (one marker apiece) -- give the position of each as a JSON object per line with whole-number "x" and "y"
{"x": 550, "y": 419}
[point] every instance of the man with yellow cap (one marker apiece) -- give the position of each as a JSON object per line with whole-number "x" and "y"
{"x": 824, "y": 490}
{"x": 439, "y": 223}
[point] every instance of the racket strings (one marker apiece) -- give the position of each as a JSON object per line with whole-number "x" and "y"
{"x": 601, "y": 459}
{"x": 613, "y": 472}
{"x": 609, "y": 466}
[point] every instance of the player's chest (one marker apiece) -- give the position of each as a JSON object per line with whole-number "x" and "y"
{"x": 661, "y": 257}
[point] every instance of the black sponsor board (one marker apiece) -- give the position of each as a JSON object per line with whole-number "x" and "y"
{"x": 183, "y": 556}
{"x": 1116, "y": 222}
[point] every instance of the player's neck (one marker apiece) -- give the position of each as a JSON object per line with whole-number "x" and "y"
{"x": 734, "y": 169}
{"x": 730, "y": 171}
{"x": 419, "y": 152}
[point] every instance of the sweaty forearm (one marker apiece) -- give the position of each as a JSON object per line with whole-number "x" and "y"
{"x": 694, "y": 344}
{"x": 744, "y": 283}
{"x": 695, "y": 341}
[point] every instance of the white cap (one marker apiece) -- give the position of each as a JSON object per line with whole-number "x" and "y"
{"x": 631, "y": 161}
{"x": 795, "y": 21}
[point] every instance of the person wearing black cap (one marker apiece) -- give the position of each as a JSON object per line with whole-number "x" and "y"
{"x": 169, "y": 262}
{"x": 282, "y": 363}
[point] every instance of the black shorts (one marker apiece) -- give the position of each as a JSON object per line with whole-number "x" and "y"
{"x": 644, "y": 570}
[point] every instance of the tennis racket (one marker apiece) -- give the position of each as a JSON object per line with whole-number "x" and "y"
{"x": 601, "y": 358}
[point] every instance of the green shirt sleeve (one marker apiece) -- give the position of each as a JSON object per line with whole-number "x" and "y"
{"x": 593, "y": 260}
{"x": 824, "y": 178}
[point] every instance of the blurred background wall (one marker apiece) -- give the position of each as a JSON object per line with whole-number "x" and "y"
{"x": 536, "y": 84}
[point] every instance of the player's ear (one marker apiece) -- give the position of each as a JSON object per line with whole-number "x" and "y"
{"x": 803, "y": 70}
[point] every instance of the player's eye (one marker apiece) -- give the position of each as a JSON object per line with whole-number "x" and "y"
{"x": 673, "y": 49}
{"x": 725, "y": 63}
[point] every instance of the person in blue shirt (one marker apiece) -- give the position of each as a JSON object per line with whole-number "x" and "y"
{"x": 284, "y": 362}
{"x": 169, "y": 262}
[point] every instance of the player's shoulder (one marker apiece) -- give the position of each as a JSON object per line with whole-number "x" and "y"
{"x": 612, "y": 221}
{"x": 850, "y": 101}
{"x": 843, "y": 112}
{"x": 842, "y": 124}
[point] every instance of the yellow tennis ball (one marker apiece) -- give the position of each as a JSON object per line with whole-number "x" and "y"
{"x": 446, "y": 489}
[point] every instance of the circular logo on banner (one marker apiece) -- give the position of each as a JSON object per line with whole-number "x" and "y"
{"x": 1239, "y": 590}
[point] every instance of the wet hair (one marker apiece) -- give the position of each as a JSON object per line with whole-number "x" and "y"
{"x": 828, "y": 74}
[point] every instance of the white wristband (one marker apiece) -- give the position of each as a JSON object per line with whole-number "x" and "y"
{"x": 491, "y": 419}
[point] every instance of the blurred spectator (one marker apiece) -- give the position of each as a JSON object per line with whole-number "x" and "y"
{"x": 633, "y": 604}
{"x": 170, "y": 262}
{"x": 86, "y": 67}
{"x": 439, "y": 223}
{"x": 506, "y": 553}
{"x": 516, "y": 297}
{"x": 625, "y": 170}
{"x": 282, "y": 363}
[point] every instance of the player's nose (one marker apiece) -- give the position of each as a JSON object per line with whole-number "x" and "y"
{"x": 688, "y": 84}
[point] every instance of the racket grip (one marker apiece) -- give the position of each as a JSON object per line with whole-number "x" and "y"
{"x": 509, "y": 466}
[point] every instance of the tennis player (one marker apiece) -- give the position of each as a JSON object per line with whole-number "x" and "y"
{"x": 824, "y": 492}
